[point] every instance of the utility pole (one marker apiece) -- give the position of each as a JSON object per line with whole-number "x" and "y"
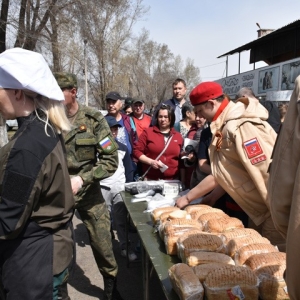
{"x": 85, "y": 73}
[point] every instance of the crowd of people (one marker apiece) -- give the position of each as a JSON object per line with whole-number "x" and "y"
{"x": 67, "y": 156}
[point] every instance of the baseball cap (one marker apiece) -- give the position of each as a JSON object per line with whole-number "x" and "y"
{"x": 27, "y": 70}
{"x": 205, "y": 91}
{"x": 113, "y": 96}
{"x": 111, "y": 121}
{"x": 65, "y": 80}
{"x": 137, "y": 101}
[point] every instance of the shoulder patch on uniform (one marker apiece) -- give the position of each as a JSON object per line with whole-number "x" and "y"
{"x": 252, "y": 148}
{"x": 258, "y": 159}
{"x": 108, "y": 144}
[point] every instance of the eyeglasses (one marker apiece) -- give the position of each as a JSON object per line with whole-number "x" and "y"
{"x": 165, "y": 106}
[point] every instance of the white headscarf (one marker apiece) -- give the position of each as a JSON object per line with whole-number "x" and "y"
{"x": 27, "y": 70}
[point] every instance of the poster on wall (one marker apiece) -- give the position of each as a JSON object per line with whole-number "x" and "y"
{"x": 289, "y": 74}
{"x": 268, "y": 80}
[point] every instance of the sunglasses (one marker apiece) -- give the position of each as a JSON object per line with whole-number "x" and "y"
{"x": 165, "y": 106}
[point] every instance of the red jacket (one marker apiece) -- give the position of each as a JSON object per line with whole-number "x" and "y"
{"x": 151, "y": 143}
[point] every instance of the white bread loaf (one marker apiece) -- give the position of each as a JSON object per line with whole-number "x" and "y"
{"x": 202, "y": 271}
{"x": 235, "y": 244}
{"x": 203, "y": 219}
{"x": 172, "y": 237}
{"x": 200, "y": 242}
{"x": 197, "y": 207}
{"x": 271, "y": 282}
{"x": 178, "y": 214}
{"x": 257, "y": 261}
{"x": 155, "y": 214}
{"x": 222, "y": 224}
{"x": 197, "y": 213}
{"x": 238, "y": 233}
{"x": 231, "y": 282}
{"x": 247, "y": 251}
{"x": 202, "y": 257}
{"x": 185, "y": 282}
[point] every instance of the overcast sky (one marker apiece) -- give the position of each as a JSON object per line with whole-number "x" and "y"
{"x": 205, "y": 29}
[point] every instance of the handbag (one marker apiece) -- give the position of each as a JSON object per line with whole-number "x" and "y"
{"x": 141, "y": 178}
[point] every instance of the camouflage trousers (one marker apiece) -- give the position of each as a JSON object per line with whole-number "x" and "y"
{"x": 97, "y": 221}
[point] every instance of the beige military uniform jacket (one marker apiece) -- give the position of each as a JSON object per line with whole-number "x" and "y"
{"x": 91, "y": 153}
{"x": 284, "y": 189}
{"x": 241, "y": 155}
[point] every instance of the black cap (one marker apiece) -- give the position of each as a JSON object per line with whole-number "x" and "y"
{"x": 113, "y": 96}
{"x": 111, "y": 121}
{"x": 137, "y": 100}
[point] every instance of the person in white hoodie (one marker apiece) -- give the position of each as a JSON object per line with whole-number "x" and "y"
{"x": 240, "y": 153}
{"x": 113, "y": 185}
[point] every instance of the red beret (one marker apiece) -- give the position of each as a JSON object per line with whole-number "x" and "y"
{"x": 205, "y": 91}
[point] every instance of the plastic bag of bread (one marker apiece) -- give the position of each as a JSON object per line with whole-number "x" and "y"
{"x": 271, "y": 282}
{"x": 203, "y": 219}
{"x": 222, "y": 224}
{"x": 197, "y": 207}
{"x": 238, "y": 233}
{"x": 167, "y": 226}
{"x": 235, "y": 244}
{"x": 245, "y": 252}
{"x": 212, "y": 211}
{"x": 185, "y": 282}
{"x": 200, "y": 242}
{"x": 155, "y": 214}
{"x": 203, "y": 270}
{"x": 257, "y": 261}
{"x": 202, "y": 257}
{"x": 173, "y": 235}
{"x": 231, "y": 282}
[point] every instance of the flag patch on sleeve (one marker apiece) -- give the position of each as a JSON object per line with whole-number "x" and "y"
{"x": 105, "y": 143}
{"x": 252, "y": 148}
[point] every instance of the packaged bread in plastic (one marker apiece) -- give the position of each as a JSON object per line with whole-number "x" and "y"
{"x": 171, "y": 238}
{"x": 202, "y": 257}
{"x": 211, "y": 216}
{"x": 185, "y": 282}
{"x": 201, "y": 271}
{"x": 238, "y": 233}
{"x": 231, "y": 282}
{"x": 247, "y": 251}
{"x": 257, "y": 261}
{"x": 168, "y": 226}
{"x": 235, "y": 244}
{"x": 222, "y": 224}
{"x": 197, "y": 207}
{"x": 156, "y": 213}
{"x": 200, "y": 242}
{"x": 272, "y": 285}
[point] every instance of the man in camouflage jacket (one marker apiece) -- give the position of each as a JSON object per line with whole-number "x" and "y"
{"x": 92, "y": 156}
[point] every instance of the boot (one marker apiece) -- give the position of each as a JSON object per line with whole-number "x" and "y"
{"x": 110, "y": 289}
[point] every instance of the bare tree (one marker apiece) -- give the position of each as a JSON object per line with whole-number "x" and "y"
{"x": 3, "y": 24}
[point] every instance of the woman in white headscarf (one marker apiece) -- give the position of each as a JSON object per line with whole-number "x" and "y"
{"x": 36, "y": 202}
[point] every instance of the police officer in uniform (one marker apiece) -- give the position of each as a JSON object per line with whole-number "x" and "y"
{"x": 92, "y": 156}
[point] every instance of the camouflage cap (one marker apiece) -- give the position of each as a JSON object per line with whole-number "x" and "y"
{"x": 65, "y": 80}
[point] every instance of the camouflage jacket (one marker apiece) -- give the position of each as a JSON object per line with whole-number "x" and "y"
{"x": 91, "y": 153}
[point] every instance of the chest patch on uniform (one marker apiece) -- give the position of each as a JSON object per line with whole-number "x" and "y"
{"x": 252, "y": 148}
{"x": 106, "y": 143}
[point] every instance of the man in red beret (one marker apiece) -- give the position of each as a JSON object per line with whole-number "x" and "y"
{"x": 240, "y": 154}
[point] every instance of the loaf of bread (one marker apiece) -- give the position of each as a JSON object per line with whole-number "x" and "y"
{"x": 271, "y": 282}
{"x": 222, "y": 224}
{"x": 257, "y": 261}
{"x": 201, "y": 242}
{"x": 155, "y": 214}
{"x": 197, "y": 207}
{"x": 203, "y": 219}
{"x": 202, "y": 271}
{"x": 247, "y": 251}
{"x": 231, "y": 282}
{"x": 235, "y": 244}
{"x": 185, "y": 282}
{"x": 172, "y": 237}
{"x": 169, "y": 226}
{"x": 178, "y": 214}
{"x": 202, "y": 257}
{"x": 197, "y": 213}
{"x": 238, "y": 233}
